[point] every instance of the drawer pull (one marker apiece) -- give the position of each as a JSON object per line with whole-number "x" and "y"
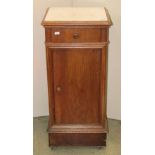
{"x": 56, "y": 33}
{"x": 58, "y": 88}
{"x": 75, "y": 35}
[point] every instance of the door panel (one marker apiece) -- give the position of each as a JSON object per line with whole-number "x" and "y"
{"x": 76, "y": 85}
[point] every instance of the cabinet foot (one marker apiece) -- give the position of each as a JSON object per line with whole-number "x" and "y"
{"x": 100, "y": 147}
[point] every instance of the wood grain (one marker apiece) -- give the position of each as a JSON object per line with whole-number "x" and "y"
{"x": 77, "y": 139}
{"x": 83, "y": 35}
{"x": 77, "y": 45}
{"x": 79, "y": 128}
{"x": 70, "y": 23}
{"x": 77, "y": 72}
{"x": 77, "y": 82}
{"x": 49, "y": 64}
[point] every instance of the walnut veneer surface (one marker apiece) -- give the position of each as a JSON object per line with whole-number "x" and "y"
{"x": 76, "y": 41}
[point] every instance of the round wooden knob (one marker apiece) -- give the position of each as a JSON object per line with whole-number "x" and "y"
{"x": 75, "y": 35}
{"x": 58, "y": 89}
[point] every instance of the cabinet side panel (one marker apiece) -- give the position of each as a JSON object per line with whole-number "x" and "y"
{"x": 49, "y": 62}
{"x": 104, "y": 84}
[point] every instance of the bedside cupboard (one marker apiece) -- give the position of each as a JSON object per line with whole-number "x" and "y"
{"x": 76, "y": 40}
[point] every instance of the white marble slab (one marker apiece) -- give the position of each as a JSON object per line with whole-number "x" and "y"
{"x": 76, "y": 14}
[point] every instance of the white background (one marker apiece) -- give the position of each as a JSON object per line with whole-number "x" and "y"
{"x": 138, "y": 77}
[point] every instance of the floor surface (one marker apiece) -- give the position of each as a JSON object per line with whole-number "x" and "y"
{"x": 40, "y": 141}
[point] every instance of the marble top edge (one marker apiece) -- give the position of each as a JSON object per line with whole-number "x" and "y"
{"x": 61, "y": 14}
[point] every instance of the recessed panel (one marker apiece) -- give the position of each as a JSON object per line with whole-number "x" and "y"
{"x": 76, "y": 85}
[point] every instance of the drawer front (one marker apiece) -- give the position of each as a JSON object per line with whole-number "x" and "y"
{"x": 75, "y": 35}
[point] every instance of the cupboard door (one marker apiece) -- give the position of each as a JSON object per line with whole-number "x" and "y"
{"x": 76, "y": 80}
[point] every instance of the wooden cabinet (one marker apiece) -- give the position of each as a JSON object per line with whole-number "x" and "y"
{"x": 76, "y": 54}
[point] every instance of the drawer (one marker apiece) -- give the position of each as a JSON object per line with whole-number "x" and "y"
{"x": 75, "y": 35}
